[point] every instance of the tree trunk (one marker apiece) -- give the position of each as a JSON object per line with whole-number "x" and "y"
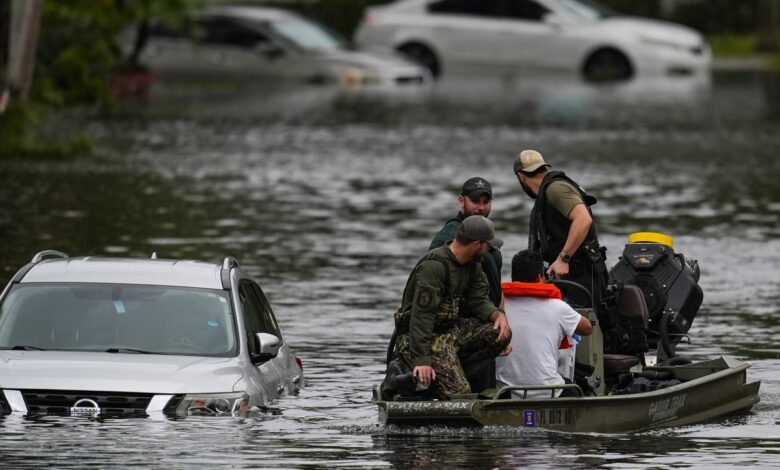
{"x": 5, "y": 17}
{"x": 23, "y": 42}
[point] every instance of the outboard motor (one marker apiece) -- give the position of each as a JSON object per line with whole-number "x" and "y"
{"x": 669, "y": 282}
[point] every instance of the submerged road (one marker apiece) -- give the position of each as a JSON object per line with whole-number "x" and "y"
{"x": 329, "y": 198}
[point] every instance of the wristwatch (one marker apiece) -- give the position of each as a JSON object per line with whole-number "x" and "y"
{"x": 564, "y": 257}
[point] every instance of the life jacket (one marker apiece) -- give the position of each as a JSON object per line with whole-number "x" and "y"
{"x": 535, "y": 289}
{"x": 549, "y": 228}
{"x": 531, "y": 289}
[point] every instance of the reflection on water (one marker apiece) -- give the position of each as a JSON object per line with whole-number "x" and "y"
{"x": 329, "y": 197}
{"x": 470, "y": 99}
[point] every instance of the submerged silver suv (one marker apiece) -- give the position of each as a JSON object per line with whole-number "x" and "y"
{"x": 134, "y": 337}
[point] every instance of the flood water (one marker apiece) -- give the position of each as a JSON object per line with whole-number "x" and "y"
{"x": 329, "y": 198}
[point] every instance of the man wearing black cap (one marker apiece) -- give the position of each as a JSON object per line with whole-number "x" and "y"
{"x": 431, "y": 335}
{"x": 476, "y": 198}
{"x": 561, "y": 228}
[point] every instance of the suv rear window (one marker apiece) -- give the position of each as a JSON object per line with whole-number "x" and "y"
{"x": 118, "y": 318}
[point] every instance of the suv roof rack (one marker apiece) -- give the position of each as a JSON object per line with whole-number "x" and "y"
{"x": 40, "y": 256}
{"x": 228, "y": 263}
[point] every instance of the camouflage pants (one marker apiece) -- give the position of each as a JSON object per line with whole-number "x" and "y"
{"x": 469, "y": 336}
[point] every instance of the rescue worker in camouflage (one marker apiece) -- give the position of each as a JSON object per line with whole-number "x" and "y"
{"x": 476, "y": 198}
{"x": 430, "y": 334}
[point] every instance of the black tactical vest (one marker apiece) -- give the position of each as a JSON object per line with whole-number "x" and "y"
{"x": 549, "y": 228}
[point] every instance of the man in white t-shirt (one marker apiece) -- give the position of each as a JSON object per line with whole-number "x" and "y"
{"x": 539, "y": 320}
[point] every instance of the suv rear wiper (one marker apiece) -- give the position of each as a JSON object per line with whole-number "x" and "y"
{"x": 26, "y": 348}
{"x": 128, "y": 350}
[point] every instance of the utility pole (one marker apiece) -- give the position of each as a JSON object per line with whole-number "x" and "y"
{"x": 5, "y": 35}
{"x": 5, "y": 15}
{"x": 25, "y": 24}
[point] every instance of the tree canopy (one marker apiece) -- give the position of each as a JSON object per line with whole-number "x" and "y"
{"x": 78, "y": 47}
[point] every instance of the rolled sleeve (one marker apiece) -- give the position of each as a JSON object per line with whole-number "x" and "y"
{"x": 563, "y": 197}
{"x": 569, "y": 318}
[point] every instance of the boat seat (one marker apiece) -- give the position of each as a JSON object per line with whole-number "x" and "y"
{"x": 632, "y": 303}
{"x": 615, "y": 364}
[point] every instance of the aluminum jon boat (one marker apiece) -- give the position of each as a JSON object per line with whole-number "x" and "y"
{"x": 626, "y": 387}
{"x": 709, "y": 389}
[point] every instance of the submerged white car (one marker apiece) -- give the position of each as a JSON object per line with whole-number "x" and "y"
{"x": 112, "y": 337}
{"x": 265, "y": 45}
{"x": 573, "y": 35}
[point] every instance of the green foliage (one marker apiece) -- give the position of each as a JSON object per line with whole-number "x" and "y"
{"x": 732, "y": 44}
{"x": 14, "y": 125}
{"x": 19, "y": 133}
{"x": 721, "y": 16}
{"x": 78, "y": 46}
{"x": 77, "y": 52}
{"x": 775, "y": 63}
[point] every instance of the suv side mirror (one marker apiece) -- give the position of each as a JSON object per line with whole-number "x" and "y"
{"x": 269, "y": 347}
{"x": 269, "y": 344}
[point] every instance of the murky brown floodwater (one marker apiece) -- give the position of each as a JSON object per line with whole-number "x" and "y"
{"x": 330, "y": 198}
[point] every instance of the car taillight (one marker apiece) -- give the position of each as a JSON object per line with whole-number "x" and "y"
{"x": 299, "y": 362}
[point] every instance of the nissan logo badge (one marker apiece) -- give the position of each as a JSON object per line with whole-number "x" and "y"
{"x": 85, "y": 407}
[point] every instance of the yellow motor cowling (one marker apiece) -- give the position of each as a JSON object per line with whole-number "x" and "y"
{"x": 669, "y": 284}
{"x": 651, "y": 237}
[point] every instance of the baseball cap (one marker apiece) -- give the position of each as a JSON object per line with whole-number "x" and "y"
{"x": 477, "y": 227}
{"x": 529, "y": 161}
{"x": 475, "y": 187}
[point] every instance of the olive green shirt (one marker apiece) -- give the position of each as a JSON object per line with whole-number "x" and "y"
{"x": 425, "y": 293}
{"x": 563, "y": 197}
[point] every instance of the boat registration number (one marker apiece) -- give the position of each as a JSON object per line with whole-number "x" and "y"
{"x": 548, "y": 417}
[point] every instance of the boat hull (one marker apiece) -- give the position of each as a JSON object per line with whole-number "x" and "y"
{"x": 712, "y": 388}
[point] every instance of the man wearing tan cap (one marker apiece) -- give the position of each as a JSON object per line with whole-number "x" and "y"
{"x": 561, "y": 228}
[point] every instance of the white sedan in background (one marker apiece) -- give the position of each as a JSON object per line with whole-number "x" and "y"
{"x": 573, "y": 35}
{"x": 267, "y": 45}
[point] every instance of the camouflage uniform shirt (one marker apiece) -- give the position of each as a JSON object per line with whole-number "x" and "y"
{"x": 431, "y": 309}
